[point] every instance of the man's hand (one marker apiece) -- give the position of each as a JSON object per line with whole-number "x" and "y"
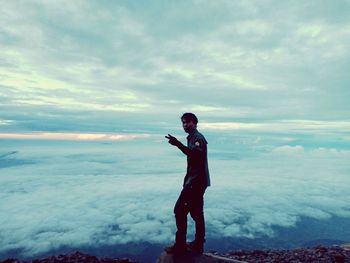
{"x": 172, "y": 140}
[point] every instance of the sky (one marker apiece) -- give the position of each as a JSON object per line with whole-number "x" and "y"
{"x": 88, "y": 89}
{"x": 114, "y": 66}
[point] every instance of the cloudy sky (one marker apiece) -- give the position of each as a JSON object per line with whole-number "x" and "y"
{"x": 111, "y": 66}
{"x": 88, "y": 89}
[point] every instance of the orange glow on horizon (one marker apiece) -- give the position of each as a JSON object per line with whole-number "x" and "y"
{"x": 73, "y": 136}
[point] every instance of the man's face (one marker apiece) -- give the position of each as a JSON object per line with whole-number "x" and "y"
{"x": 188, "y": 125}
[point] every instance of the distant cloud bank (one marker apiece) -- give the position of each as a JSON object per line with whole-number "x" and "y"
{"x": 73, "y": 136}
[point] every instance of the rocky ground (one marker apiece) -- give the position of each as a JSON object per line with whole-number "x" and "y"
{"x": 320, "y": 254}
{"x": 76, "y": 257}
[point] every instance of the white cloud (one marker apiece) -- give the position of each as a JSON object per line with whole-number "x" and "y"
{"x": 73, "y": 136}
{"x": 276, "y": 190}
{"x": 89, "y": 193}
{"x": 295, "y": 126}
{"x": 286, "y": 149}
{"x": 230, "y": 126}
{"x": 6, "y": 122}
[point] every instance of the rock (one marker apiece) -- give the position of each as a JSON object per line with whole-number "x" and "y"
{"x": 339, "y": 259}
{"x": 192, "y": 258}
{"x": 321, "y": 249}
{"x": 345, "y": 246}
{"x": 11, "y": 260}
{"x": 334, "y": 254}
{"x": 76, "y": 257}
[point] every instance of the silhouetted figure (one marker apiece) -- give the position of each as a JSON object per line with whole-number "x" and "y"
{"x": 195, "y": 182}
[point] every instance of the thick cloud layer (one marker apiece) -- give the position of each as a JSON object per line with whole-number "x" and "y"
{"x": 77, "y": 194}
{"x": 81, "y": 65}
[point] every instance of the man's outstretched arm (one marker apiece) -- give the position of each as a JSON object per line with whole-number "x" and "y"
{"x": 183, "y": 148}
{"x": 178, "y": 144}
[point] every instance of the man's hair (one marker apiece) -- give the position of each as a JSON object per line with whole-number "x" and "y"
{"x": 190, "y": 116}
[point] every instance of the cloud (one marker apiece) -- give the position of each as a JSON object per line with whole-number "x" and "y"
{"x": 286, "y": 149}
{"x": 259, "y": 76}
{"x": 64, "y": 209}
{"x": 5, "y": 122}
{"x": 73, "y": 136}
{"x": 123, "y": 59}
{"x": 276, "y": 189}
{"x": 81, "y": 194}
{"x": 294, "y": 126}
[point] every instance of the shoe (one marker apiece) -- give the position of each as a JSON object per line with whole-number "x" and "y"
{"x": 195, "y": 246}
{"x": 176, "y": 249}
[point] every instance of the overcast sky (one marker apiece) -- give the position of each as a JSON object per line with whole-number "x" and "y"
{"x": 112, "y": 66}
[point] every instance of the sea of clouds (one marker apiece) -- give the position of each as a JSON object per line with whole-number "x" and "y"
{"x": 57, "y": 194}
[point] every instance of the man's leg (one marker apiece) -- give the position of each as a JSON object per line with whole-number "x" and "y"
{"x": 196, "y": 210}
{"x": 181, "y": 224}
{"x": 181, "y": 210}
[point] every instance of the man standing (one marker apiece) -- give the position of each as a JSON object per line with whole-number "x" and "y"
{"x": 195, "y": 182}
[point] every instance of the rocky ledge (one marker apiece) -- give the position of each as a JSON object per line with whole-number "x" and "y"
{"x": 320, "y": 254}
{"x": 76, "y": 257}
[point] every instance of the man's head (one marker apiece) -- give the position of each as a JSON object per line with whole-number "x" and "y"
{"x": 189, "y": 122}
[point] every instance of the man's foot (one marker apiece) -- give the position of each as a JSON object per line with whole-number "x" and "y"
{"x": 176, "y": 249}
{"x": 195, "y": 246}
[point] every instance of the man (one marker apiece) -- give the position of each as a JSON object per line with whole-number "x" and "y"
{"x": 195, "y": 182}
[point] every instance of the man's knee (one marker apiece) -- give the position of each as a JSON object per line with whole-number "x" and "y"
{"x": 197, "y": 215}
{"x": 181, "y": 210}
